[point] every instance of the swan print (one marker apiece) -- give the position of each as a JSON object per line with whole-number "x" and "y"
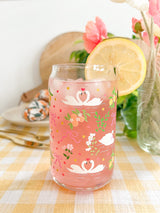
{"x": 83, "y": 170}
{"x": 82, "y": 99}
{"x": 108, "y": 139}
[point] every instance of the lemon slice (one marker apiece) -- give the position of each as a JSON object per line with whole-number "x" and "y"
{"x": 122, "y": 56}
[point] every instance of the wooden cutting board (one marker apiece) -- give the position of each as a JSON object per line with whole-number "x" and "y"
{"x": 57, "y": 51}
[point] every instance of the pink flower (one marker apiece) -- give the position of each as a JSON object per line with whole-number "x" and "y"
{"x": 95, "y": 33}
{"x": 136, "y": 25}
{"x": 154, "y": 11}
{"x": 147, "y": 41}
{"x": 69, "y": 146}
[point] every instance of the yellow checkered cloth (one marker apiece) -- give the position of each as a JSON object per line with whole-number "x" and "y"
{"x": 26, "y": 184}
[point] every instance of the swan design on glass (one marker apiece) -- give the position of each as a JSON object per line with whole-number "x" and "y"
{"x": 82, "y": 99}
{"x": 108, "y": 139}
{"x": 84, "y": 170}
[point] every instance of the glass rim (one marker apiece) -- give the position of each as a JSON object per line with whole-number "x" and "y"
{"x": 74, "y": 64}
{"x": 82, "y": 67}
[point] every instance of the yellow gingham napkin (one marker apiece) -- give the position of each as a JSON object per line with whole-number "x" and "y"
{"x": 26, "y": 184}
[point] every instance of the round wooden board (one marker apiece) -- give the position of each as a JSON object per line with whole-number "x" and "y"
{"x": 58, "y": 51}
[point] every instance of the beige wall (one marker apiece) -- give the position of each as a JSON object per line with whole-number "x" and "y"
{"x": 26, "y": 26}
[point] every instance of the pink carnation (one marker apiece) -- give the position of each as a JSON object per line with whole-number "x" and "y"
{"x": 154, "y": 11}
{"x": 147, "y": 41}
{"x": 95, "y": 33}
{"x": 136, "y": 25}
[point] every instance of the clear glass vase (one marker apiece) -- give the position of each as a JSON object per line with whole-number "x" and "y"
{"x": 148, "y": 116}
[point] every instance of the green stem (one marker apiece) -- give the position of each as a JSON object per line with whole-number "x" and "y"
{"x": 146, "y": 24}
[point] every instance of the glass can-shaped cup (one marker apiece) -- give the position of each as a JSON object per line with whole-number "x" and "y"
{"x": 82, "y": 126}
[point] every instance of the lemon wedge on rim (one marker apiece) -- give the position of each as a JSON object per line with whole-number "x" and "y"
{"x": 124, "y": 57}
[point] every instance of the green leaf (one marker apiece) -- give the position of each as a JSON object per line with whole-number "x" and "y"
{"x": 97, "y": 152}
{"x": 96, "y": 130}
{"x": 50, "y": 92}
{"x": 114, "y": 92}
{"x": 80, "y": 56}
{"x": 75, "y": 112}
{"x": 66, "y": 118}
{"x": 102, "y": 119}
{"x": 71, "y": 125}
{"x": 134, "y": 37}
{"x": 78, "y": 41}
{"x": 103, "y": 130}
{"x": 110, "y": 35}
{"x": 96, "y": 113}
{"x": 69, "y": 116}
{"x": 51, "y": 155}
{"x": 99, "y": 117}
{"x": 88, "y": 114}
{"x": 72, "y": 55}
{"x": 129, "y": 115}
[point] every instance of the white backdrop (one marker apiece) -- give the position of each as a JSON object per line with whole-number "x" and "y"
{"x": 26, "y": 26}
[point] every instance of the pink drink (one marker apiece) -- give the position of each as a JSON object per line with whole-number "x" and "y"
{"x": 82, "y": 132}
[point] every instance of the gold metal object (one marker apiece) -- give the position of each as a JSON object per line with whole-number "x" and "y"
{"x": 25, "y": 142}
{"x": 23, "y": 132}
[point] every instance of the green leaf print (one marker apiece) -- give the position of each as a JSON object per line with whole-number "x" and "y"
{"x": 51, "y": 155}
{"x": 85, "y": 117}
{"x": 50, "y": 92}
{"x": 70, "y": 125}
{"x": 77, "y": 111}
{"x": 97, "y": 152}
{"x": 68, "y": 115}
{"x": 88, "y": 114}
{"x": 114, "y": 92}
